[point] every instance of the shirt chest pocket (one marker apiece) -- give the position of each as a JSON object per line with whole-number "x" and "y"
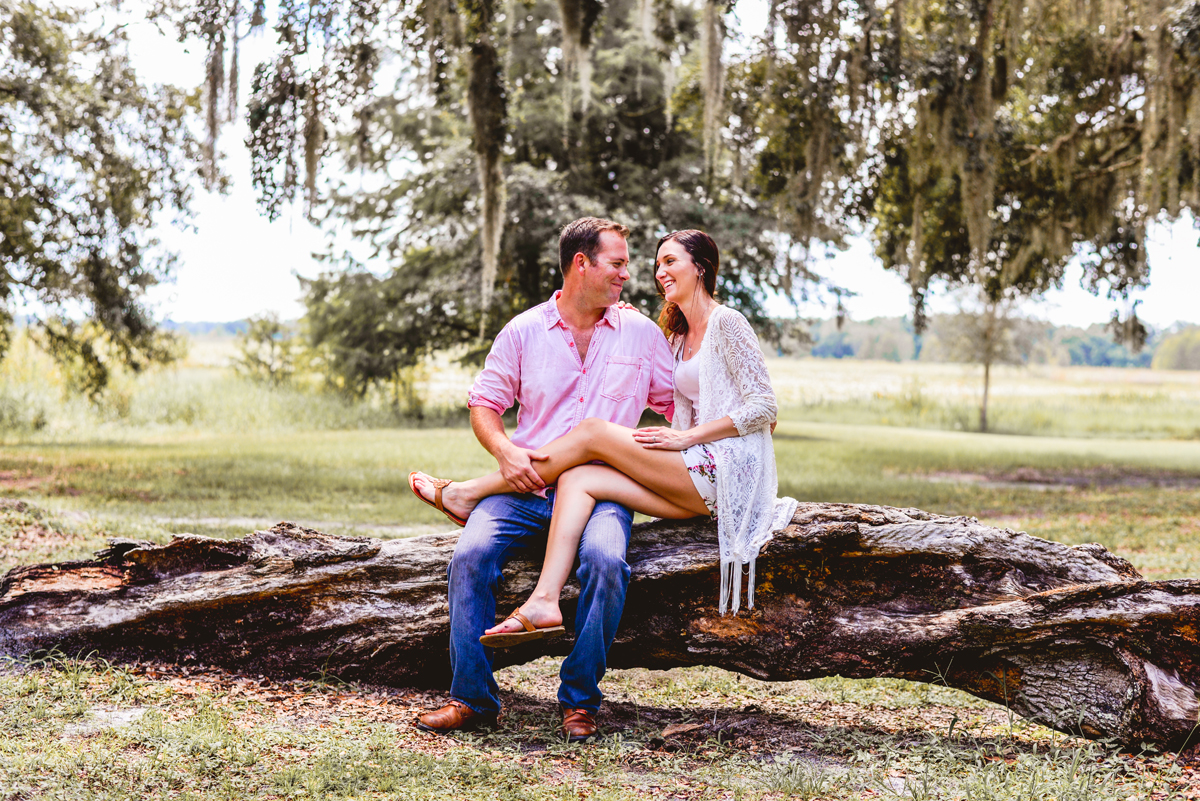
{"x": 621, "y": 377}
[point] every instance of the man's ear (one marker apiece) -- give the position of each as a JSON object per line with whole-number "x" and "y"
{"x": 580, "y": 263}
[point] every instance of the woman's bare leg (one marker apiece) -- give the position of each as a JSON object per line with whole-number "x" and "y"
{"x": 578, "y": 492}
{"x": 592, "y": 440}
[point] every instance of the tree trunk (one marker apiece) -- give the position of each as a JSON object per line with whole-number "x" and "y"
{"x": 488, "y": 107}
{"x": 1071, "y": 637}
{"x": 712, "y": 80}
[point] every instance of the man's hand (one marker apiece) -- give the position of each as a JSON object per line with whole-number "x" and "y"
{"x": 516, "y": 465}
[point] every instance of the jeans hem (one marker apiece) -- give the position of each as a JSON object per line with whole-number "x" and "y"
{"x": 475, "y": 709}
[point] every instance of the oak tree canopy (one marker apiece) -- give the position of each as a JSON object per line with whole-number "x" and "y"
{"x": 91, "y": 159}
{"x": 982, "y": 143}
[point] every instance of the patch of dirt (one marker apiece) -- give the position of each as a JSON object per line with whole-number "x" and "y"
{"x": 23, "y": 481}
{"x": 53, "y": 483}
{"x": 1102, "y": 477}
{"x": 102, "y": 718}
{"x": 25, "y": 531}
{"x": 300, "y": 703}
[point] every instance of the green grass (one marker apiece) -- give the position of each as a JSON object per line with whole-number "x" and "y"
{"x": 1034, "y": 401}
{"x": 152, "y": 484}
{"x": 199, "y": 393}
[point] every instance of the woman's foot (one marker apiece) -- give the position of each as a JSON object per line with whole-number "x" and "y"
{"x": 541, "y": 615}
{"x": 454, "y": 501}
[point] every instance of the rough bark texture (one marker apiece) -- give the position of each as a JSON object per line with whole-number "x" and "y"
{"x": 1071, "y": 637}
{"x": 712, "y": 79}
{"x": 487, "y": 102}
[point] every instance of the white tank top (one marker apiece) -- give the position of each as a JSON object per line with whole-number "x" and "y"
{"x": 687, "y": 378}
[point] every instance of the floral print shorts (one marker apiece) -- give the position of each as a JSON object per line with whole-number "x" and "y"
{"x": 701, "y": 465}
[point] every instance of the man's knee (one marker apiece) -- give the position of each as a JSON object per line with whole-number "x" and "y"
{"x": 604, "y": 543}
{"x": 471, "y": 563}
{"x": 477, "y": 555}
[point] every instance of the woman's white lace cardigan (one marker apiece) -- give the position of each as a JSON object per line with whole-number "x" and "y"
{"x": 734, "y": 382}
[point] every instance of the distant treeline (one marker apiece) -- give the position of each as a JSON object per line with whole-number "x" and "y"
{"x": 892, "y": 339}
{"x": 230, "y": 329}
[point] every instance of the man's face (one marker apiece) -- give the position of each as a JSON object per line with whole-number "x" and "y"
{"x": 606, "y": 275}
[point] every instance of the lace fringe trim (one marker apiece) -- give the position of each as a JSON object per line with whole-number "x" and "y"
{"x": 731, "y": 567}
{"x": 731, "y": 585}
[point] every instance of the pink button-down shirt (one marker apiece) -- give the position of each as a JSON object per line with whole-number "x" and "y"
{"x": 534, "y": 362}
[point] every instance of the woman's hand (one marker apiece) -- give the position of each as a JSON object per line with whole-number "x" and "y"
{"x": 663, "y": 439}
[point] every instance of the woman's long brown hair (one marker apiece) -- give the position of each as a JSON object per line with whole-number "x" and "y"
{"x": 703, "y": 250}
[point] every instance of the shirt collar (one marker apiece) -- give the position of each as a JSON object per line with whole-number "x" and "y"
{"x": 553, "y": 317}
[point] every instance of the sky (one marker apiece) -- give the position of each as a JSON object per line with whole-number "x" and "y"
{"x": 237, "y": 263}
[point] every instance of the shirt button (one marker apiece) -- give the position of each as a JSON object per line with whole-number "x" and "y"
{"x": 571, "y": 344}
{"x": 581, "y": 400}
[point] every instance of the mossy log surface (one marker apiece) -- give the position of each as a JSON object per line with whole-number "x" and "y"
{"x": 1069, "y": 636}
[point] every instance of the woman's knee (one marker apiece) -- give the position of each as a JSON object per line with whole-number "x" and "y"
{"x": 593, "y": 426}
{"x": 577, "y": 480}
{"x": 591, "y": 433}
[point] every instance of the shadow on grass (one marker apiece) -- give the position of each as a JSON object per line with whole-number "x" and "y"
{"x": 530, "y": 724}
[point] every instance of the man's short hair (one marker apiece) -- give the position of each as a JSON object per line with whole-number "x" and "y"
{"x": 583, "y": 236}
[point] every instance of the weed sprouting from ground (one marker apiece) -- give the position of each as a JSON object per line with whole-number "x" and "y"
{"x": 804, "y": 779}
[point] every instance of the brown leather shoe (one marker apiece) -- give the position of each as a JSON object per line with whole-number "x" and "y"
{"x": 578, "y": 725}
{"x": 454, "y": 716}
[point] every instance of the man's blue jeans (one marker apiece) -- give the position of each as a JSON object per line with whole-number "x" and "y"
{"x": 498, "y": 528}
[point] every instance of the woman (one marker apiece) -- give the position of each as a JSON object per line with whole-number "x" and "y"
{"x": 716, "y": 458}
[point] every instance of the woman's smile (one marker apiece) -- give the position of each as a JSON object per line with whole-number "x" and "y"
{"x": 675, "y": 271}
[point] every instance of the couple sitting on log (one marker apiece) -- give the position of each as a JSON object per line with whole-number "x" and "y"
{"x": 583, "y": 367}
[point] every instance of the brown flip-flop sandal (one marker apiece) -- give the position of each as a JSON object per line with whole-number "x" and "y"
{"x": 531, "y": 633}
{"x": 438, "y": 485}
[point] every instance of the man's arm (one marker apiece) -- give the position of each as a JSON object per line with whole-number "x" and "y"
{"x": 516, "y": 464}
{"x": 661, "y": 397}
{"x": 495, "y": 389}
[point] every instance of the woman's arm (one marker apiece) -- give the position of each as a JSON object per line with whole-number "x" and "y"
{"x": 748, "y": 369}
{"x": 668, "y": 439}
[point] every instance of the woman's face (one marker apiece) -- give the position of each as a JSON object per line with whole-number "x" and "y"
{"x": 676, "y": 272}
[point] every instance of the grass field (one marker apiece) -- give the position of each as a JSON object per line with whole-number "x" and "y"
{"x": 1115, "y": 460}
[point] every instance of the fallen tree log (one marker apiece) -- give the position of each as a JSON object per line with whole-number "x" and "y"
{"x": 1071, "y": 637}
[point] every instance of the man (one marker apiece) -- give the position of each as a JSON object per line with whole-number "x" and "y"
{"x": 573, "y": 357}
